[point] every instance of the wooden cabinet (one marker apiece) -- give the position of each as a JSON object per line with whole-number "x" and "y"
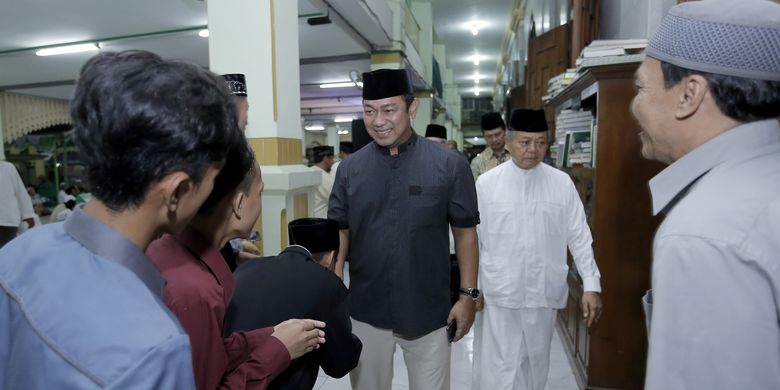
{"x": 612, "y": 355}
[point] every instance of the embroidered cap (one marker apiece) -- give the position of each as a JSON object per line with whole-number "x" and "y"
{"x": 727, "y": 37}
{"x": 236, "y": 82}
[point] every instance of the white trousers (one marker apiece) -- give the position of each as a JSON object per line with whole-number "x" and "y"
{"x": 427, "y": 359}
{"x": 512, "y": 348}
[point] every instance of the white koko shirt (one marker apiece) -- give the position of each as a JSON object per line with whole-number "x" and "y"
{"x": 528, "y": 218}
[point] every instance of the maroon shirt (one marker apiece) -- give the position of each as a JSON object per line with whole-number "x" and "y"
{"x": 198, "y": 292}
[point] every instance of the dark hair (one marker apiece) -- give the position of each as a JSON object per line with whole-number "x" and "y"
{"x": 408, "y": 99}
{"x": 70, "y": 189}
{"x": 318, "y": 157}
{"x": 238, "y": 172}
{"x": 346, "y": 147}
{"x": 139, "y": 118}
{"x": 739, "y": 98}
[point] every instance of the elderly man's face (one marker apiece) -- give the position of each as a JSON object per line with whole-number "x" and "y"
{"x": 527, "y": 149}
{"x": 388, "y": 120}
{"x": 653, "y": 107}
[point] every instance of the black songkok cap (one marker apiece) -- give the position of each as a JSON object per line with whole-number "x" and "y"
{"x": 236, "y": 82}
{"x": 434, "y": 130}
{"x": 346, "y": 147}
{"x": 385, "y": 83}
{"x": 322, "y": 151}
{"x": 315, "y": 234}
{"x": 492, "y": 121}
{"x": 360, "y": 137}
{"x": 531, "y": 121}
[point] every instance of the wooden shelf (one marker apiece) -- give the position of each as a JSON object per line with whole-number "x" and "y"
{"x": 612, "y": 355}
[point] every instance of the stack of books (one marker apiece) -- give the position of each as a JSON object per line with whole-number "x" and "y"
{"x": 573, "y": 139}
{"x": 611, "y": 51}
{"x": 558, "y": 83}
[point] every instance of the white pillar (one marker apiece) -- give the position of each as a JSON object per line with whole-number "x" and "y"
{"x": 259, "y": 38}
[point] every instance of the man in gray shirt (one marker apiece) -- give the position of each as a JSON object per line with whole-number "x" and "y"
{"x": 394, "y": 200}
{"x": 708, "y": 98}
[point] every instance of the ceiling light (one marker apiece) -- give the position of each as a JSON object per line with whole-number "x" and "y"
{"x": 343, "y": 132}
{"x": 345, "y": 84}
{"x": 343, "y": 119}
{"x": 203, "y": 33}
{"x": 476, "y": 91}
{"x": 474, "y": 29}
{"x": 476, "y": 80}
{"x": 476, "y": 59}
{"x": 67, "y": 49}
{"x": 314, "y": 127}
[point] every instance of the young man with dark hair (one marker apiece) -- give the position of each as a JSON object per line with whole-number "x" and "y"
{"x": 707, "y": 101}
{"x": 394, "y": 200}
{"x": 496, "y": 152}
{"x": 309, "y": 261}
{"x": 85, "y": 310}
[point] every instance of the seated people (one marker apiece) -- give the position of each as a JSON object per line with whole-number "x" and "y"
{"x": 200, "y": 286}
{"x": 299, "y": 283}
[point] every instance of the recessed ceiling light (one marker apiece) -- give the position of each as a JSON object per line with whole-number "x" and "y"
{"x": 203, "y": 33}
{"x": 474, "y": 29}
{"x": 67, "y": 49}
{"x": 345, "y": 84}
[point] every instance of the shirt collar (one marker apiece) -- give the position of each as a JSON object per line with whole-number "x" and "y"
{"x": 201, "y": 247}
{"x": 108, "y": 243}
{"x": 740, "y": 142}
{"x": 299, "y": 249}
{"x": 409, "y": 144}
{"x": 489, "y": 153}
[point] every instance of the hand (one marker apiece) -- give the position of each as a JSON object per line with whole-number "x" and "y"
{"x": 30, "y": 222}
{"x": 591, "y": 307}
{"x": 463, "y": 313}
{"x": 249, "y": 247}
{"x": 481, "y": 302}
{"x": 300, "y": 336}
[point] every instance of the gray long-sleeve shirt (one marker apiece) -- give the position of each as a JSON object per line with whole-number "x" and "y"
{"x": 716, "y": 265}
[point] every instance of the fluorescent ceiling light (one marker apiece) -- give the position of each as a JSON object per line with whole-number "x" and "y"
{"x": 203, "y": 33}
{"x": 345, "y": 84}
{"x": 67, "y": 49}
{"x": 343, "y": 132}
{"x": 343, "y": 119}
{"x": 314, "y": 127}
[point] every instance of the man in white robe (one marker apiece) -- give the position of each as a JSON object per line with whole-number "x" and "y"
{"x": 323, "y": 161}
{"x": 530, "y": 214}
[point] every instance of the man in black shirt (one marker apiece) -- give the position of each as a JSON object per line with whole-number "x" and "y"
{"x": 394, "y": 200}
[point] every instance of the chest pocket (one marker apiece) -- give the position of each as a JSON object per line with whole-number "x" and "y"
{"x": 428, "y": 204}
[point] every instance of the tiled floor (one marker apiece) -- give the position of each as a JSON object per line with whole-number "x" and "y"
{"x": 560, "y": 377}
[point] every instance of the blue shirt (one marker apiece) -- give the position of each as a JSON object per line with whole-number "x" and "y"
{"x": 80, "y": 308}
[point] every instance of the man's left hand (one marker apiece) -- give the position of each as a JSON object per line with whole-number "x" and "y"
{"x": 463, "y": 314}
{"x": 591, "y": 307}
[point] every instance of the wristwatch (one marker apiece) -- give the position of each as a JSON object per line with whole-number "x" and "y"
{"x": 472, "y": 293}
